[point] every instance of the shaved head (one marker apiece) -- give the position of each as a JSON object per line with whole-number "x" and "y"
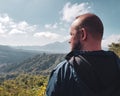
{"x": 86, "y": 32}
{"x": 92, "y": 23}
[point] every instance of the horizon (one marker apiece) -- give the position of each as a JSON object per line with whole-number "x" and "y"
{"x": 38, "y": 23}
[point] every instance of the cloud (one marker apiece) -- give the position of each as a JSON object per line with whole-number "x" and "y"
{"x": 69, "y": 12}
{"x": 16, "y": 32}
{"x": 48, "y": 35}
{"x": 9, "y": 27}
{"x": 109, "y": 40}
{"x": 24, "y": 26}
{"x": 21, "y": 33}
{"x": 51, "y": 26}
{"x": 5, "y": 19}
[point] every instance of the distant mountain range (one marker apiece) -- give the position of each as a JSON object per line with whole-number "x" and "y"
{"x": 39, "y": 64}
{"x": 57, "y": 47}
{"x": 11, "y": 55}
{"x": 33, "y": 59}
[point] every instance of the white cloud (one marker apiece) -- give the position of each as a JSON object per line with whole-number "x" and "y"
{"x": 6, "y": 22}
{"x": 21, "y": 33}
{"x": 9, "y": 27}
{"x": 16, "y": 32}
{"x": 109, "y": 40}
{"x": 48, "y": 35}
{"x": 2, "y": 28}
{"x": 70, "y": 11}
{"x": 50, "y": 26}
{"x": 5, "y": 19}
{"x": 22, "y": 25}
{"x": 51, "y": 37}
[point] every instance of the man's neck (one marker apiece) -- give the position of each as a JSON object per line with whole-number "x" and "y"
{"x": 92, "y": 47}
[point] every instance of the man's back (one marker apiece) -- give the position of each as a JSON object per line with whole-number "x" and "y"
{"x": 92, "y": 73}
{"x": 88, "y": 71}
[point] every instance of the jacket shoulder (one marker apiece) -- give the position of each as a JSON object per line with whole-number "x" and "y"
{"x": 63, "y": 70}
{"x": 60, "y": 76}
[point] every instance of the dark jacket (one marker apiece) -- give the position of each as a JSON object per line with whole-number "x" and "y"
{"x": 86, "y": 73}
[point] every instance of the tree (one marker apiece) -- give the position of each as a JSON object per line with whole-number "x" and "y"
{"x": 24, "y": 85}
{"x": 115, "y": 47}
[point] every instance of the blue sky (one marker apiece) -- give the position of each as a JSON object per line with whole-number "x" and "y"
{"x": 40, "y": 22}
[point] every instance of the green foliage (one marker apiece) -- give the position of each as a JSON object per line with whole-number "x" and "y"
{"x": 30, "y": 77}
{"x": 115, "y": 47}
{"x": 39, "y": 64}
{"x": 24, "y": 85}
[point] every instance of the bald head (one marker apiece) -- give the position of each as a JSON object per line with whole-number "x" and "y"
{"x": 92, "y": 23}
{"x": 86, "y": 33}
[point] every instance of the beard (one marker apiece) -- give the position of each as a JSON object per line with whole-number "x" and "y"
{"x": 77, "y": 46}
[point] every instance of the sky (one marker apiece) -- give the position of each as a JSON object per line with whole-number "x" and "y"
{"x": 40, "y": 22}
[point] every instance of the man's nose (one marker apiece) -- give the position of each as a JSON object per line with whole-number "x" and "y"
{"x": 69, "y": 41}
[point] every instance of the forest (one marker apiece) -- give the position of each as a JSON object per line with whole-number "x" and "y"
{"x": 27, "y": 83}
{"x": 24, "y": 85}
{"x": 30, "y": 77}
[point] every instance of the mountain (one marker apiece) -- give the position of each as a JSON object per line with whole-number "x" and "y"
{"x": 39, "y": 64}
{"x": 9, "y": 55}
{"x": 32, "y": 59}
{"x": 57, "y": 47}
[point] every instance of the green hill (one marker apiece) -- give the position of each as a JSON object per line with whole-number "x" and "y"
{"x": 40, "y": 64}
{"x": 9, "y": 55}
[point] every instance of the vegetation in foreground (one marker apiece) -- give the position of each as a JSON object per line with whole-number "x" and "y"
{"x": 24, "y": 85}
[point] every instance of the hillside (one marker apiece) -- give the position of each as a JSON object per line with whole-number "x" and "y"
{"x": 9, "y": 55}
{"x": 40, "y": 64}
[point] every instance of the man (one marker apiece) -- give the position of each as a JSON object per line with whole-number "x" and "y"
{"x": 87, "y": 70}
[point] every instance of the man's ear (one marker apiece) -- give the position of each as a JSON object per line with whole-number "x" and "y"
{"x": 83, "y": 34}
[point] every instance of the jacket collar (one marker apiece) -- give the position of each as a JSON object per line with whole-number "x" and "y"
{"x": 79, "y": 52}
{"x": 73, "y": 53}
